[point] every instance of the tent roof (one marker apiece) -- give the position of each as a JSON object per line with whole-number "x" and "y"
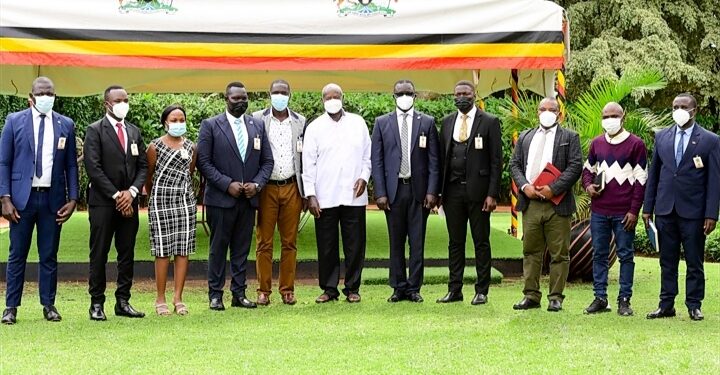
{"x": 363, "y": 45}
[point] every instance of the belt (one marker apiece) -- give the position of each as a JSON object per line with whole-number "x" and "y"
{"x": 404, "y": 181}
{"x": 41, "y": 189}
{"x": 282, "y": 182}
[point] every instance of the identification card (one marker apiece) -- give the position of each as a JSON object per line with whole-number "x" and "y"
{"x": 184, "y": 154}
{"x": 61, "y": 143}
{"x": 256, "y": 144}
{"x": 698, "y": 162}
{"x": 478, "y": 143}
{"x": 423, "y": 141}
{"x": 134, "y": 149}
{"x": 299, "y": 145}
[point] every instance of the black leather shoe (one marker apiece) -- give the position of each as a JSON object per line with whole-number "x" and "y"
{"x": 51, "y": 314}
{"x": 242, "y": 301}
{"x": 217, "y": 304}
{"x": 479, "y": 299}
{"x": 415, "y": 297}
{"x": 9, "y": 316}
{"x": 451, "y": 297}
{"x": 97, "y": 313}
{"x": 661, "y": 313}
{"x": 554, "y": 306}
{"x": 396, "y": 297}
{"x": 123, "y": 308}
{"x": 526, "y": 304}
{"x": 696, "y": 314}
{"x": 598, "y": 305}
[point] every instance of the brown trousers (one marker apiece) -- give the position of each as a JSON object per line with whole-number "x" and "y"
{"x": 281, "y": 206}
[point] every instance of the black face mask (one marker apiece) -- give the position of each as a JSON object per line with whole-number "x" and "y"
{"x": 464, "y": 104}
{"x": 238, "y": 108}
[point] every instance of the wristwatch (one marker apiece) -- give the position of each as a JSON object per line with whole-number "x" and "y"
{"x": 257, "y": 187}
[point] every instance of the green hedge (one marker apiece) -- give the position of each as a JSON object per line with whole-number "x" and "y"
{"x": 712, "y": 244}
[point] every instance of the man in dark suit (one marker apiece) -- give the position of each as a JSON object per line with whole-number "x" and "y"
{"x": 114, "y": 155}
{"x": 546, "y": 225}
{"x": 406, "y": 171}
{"x": 471, "y": 159}
{"x": 38, "y": 188}
{"x": 682, "y": 191}
{"x": 235, "y": 157}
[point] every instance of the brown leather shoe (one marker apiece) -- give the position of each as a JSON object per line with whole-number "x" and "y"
{"x": 325, "y": 298}
{"x": 353, "y": 298}
{"x": 263, "y": 299}
{"x": 289, "y": 298}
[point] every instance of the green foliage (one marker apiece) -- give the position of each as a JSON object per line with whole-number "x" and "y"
{"x": 643, "y": 246}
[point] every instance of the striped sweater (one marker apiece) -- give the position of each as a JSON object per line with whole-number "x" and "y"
{"x": 624, "y": 161}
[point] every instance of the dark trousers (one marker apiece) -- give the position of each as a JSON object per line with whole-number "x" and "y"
{"x": 673, "y": 232}
{"x": 603, "y": 227}
{"x": 229, "y": 228}
{"x": 407, "y": 219}
{"x": 352, "y": 225}
{"x": 36, "y": 212}
{"x": 459, "y": 209}
{"x": 105, "y": 223}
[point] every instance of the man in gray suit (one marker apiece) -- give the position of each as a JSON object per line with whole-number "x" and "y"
{"x": 546, "y": 221}
{"x": 283, "y": 199}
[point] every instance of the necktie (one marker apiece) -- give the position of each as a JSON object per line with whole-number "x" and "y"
{"x": 39, "y": 147}
{"x": 462, "y": 137}
{"x": 240, "y": 139}
{"x": 679, "y": 151}
{"x": 535, "y": 166}
{"x": 121, "y": 136}
{"x": 404, "y": 162}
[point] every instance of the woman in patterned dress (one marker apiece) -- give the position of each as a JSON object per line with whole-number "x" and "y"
{"x": 172, "y": 207}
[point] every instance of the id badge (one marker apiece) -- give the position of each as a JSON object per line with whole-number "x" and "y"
{"x": 134, "y": 149}
{"x": 256, "y": 144}
{"x": 184, "y": 154}
{"x": 298, "y": 146}
{"x": 423, "y": 141}
{"x": 61, "y": 143}
{"x": 478, "y": 143}
{"x": 698, "y": 162}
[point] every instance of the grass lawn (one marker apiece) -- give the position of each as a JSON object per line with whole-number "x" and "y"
{"x": 75, "y": 234}
{"x": 372, "y": 337}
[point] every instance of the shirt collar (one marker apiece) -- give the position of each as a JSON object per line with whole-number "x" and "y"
{"x": 687, "y": 131}
{"x": 114, "y": 122}
{"x": 549, "y": 131}
{"x": 231, "y": 118}
{"x": 618, "y": 138}
{"x": 410, "y": 112}
{"x": 470, "y": 114}
{"x": 36, "y": 113}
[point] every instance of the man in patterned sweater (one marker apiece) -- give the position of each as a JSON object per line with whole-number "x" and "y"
{"x": 620, "y": 160}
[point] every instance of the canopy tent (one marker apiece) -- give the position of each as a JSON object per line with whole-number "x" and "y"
{"x": 199, "y": 46}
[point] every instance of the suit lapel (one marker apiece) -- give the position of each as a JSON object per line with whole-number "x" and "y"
{"x": 394, "y": 128}
{"x": 57, "y": 130}
{"x": 111, "y": 133}
{"x": 669, "y": 148}
{"x": 556, "y": 145}
{"x": 692, "y": 144}
{"x": 251, "y": 133}
{"x": 449, "y": 129}
{"x": 415, "y": 131}
{"x": 475, "y": 125}
{"x": 225, "y": 128}
{"x": 29, "y": 131}
{"x": 526, "y": 146}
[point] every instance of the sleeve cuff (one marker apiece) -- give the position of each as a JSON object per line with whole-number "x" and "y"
{"x": 114, "y": 196}
{"x": 133, "y": 191}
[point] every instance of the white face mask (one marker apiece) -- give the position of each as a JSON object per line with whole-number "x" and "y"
{"x": 405, "y": 102}
{"x": 120, "y": 110}
{"x": 547, "y": 119}
{"x": 44, "y": 103}
{"x": 612, "y": 125}
{"x": 681, "y": 116}
{"x": 333, "y": 106}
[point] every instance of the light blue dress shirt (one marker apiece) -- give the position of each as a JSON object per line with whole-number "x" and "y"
{"x": 686, "y": 140}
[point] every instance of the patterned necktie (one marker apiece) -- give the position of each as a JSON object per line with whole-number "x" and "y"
{"x": 240, "y": 139}
{"x": 535, "y": 167}
{"x": 39, "y": 147}
{"x": 463, "y": 129}
{"x": 404, "y": 162}
{"x": 679, "y": 151}
{"x": 121, "y": 137}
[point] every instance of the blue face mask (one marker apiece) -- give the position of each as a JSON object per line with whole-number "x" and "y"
{"x": 44, "y": 103}
{"x": 177, "y": 129}
{"x": 279, "y": 101}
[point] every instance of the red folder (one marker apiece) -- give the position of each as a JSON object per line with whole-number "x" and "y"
{"x": 547, "y": 177}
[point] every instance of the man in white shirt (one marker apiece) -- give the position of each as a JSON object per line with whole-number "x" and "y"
{"x": 336, "y": 168}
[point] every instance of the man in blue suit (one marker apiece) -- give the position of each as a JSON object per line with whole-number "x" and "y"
{"x": 235, "y": 157}
{"x": 406, "y": 171}
{"x": 682, "y": 191}
{"x": 38, "y": 187}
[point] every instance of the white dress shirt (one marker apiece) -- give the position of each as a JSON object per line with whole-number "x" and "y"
{"x": 410, "y": 114}
{"x": 335, "y": 155}
{"x": 243, "y": 129}
{"x": 48, "y": 147}
{"x": 458, "y": 124}
{"x": 280, "y": 137}
{"x": 547, "y": 152}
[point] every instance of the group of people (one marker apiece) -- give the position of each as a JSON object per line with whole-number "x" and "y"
{"x": 270, "y": 166}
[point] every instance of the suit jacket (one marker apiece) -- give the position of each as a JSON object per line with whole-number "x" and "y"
{"x": 483, "y": 168}
{"x": 297, "y": 124}
{"x": 219, "y": 159}
{"x": 109, "y": 168}
{"x": 693, "y": 192}
{"x": 567, "y": 157}
{"x": 17, "y": 160}
{"x": 386, "y": 156}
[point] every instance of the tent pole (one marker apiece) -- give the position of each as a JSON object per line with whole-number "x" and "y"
{"x": 513, "y": 231}
{"x": 476, "y": 80}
